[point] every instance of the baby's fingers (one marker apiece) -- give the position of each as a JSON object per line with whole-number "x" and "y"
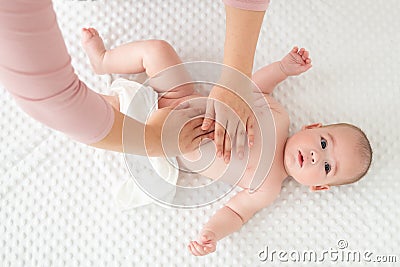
{"x": 192, "y": 249}
{"x": 306, "y": 67}
{"x": 305, "y": 55}
{"x": 197, "y": 249}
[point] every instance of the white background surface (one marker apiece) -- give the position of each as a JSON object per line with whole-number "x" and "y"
{"x": 56, "y": 196}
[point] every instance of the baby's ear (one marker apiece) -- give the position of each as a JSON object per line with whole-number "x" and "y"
{"x": 311, "y": 126}
{"x": 314, "y": 188}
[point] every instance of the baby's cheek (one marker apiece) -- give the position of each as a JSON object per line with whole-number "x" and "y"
{"x": 320, "y": 179}
{"x": 308, "y": 178}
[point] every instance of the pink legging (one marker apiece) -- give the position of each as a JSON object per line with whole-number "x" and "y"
{"x": 35, "y": 68}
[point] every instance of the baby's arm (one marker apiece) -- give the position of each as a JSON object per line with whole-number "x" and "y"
{"x": 231, "y": 217}
{"x": 294, "y": 63}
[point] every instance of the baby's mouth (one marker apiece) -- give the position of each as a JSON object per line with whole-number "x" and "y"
{"x": 300, "y": 158}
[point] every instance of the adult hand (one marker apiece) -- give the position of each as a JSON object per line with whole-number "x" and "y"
{"x": 233, "y": 117}
{"x": 175, "y": 131}
{"x": 242, "y": 30}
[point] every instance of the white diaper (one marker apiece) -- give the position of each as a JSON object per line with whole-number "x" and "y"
{"x": 129, "y": 195}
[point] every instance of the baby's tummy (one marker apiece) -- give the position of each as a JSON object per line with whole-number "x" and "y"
{"x": 255, "y": 162}
{"x": 205, "y": 162}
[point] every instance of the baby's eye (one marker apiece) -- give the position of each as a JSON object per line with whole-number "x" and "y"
{"x": 327, "y": 167}
{"x": 324, "y": 143}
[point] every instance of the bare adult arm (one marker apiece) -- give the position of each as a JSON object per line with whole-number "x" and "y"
{"x": 147, "y": 139}
{"x": 243, "y": 23}
{"x": 242, "y": 31}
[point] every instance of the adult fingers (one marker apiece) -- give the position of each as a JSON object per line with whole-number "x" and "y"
{"x": 191, "y": 135}
{"x": 201, "y": 136}
{"x": 250, "y": 129}
{"x": 219, "y": 135}
{"x": 191, "y": 112}
{"x": 240, "y": 139}
{"x": 193, "y": 127}
{"x": 193, "y": 107}
{"x": 210, "y": 114}
{"x": 229, "y": 135}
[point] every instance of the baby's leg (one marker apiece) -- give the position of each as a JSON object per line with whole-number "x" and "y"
{"x": 151, "y": 56}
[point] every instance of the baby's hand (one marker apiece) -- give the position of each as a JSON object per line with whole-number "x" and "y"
{"x": 296, "y": 62}
{"x": 207, "y": 244}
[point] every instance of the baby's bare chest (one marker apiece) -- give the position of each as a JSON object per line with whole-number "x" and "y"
{"x": 258, "y": 161}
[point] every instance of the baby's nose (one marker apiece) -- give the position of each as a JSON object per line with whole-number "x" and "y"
{"x": 314, "y": 157}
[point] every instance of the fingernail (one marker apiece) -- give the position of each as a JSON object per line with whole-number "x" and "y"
{"x": 240, "y": 155}
{"x": 219, "y": 154}
{"x": 226, "y": 159}
{"x": 251, "y": 143}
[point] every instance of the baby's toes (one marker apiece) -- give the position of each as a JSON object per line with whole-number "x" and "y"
{"x": 86, "y": 35}
{"x": 93, "y": 31}
{"x": 301, "y": 51}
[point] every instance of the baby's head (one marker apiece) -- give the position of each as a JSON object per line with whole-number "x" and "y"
{"x": 322, "y": 156}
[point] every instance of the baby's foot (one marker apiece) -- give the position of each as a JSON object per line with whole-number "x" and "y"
{"x": 94, "y": 48}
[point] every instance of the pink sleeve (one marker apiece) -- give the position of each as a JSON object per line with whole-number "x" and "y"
{"x": 35, "y": 68}
{"x": 254, "y": 5}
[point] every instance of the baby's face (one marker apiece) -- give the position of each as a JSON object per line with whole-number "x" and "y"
{"x": 318, "y": 156}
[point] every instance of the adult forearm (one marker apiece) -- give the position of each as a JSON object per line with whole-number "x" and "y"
{"x": 224, "y": 222}
{"x": 139, "y": 141}
{"x": 242, "y": 30}
{"x": 165, "y": 133}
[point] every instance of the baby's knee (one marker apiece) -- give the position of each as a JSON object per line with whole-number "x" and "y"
{"x": 160, "y": 46}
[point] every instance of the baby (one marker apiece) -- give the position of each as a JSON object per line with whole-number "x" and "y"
{"x": 317, "y": 156}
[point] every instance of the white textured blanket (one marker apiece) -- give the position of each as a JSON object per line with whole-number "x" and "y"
{"x": 56, "y": 196}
